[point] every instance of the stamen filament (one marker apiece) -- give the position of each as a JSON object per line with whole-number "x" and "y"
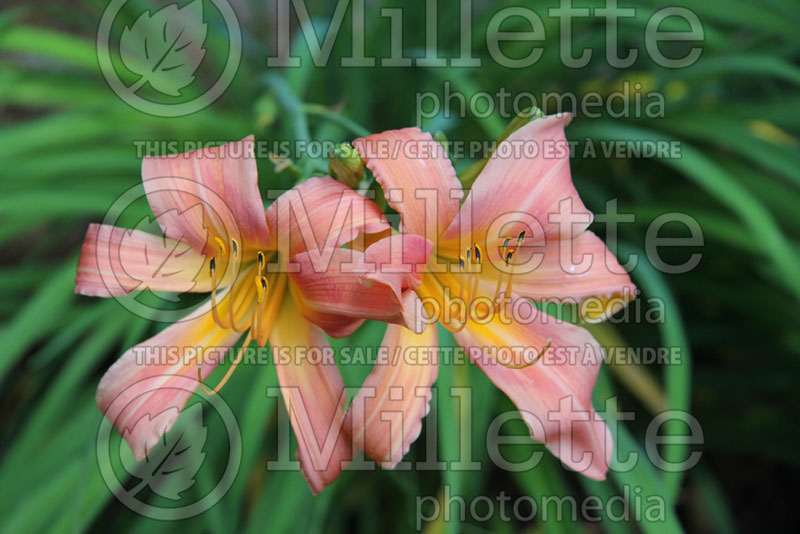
{"x": 461, "y": 278}
{"x": 474, "y": 256}
{"x": 497, "y": 291}
{"x": 255, "y": 325}
{"x": 474, "y": 277}
{"x": 212, "y": 265}
{"x": 453, "y": 329}
{"x": 231, "y": 308}
{"x": 234, "y": 326}
{"x": 526, "y": 364}
{"x": 262, "y": 287}
{"x": 507, "y": 294}
{"x": 231, "y": 369}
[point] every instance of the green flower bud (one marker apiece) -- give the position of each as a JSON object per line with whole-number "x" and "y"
{"x": 345, "y": 165}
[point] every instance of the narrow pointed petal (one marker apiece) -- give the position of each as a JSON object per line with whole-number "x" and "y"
{"x": 314, "y": 395}
{"x": 339, "y": 290}
{"x": 554, "y": 394}
{"x": 517, "y": 187}
{"x": 321, "y": 213}
{"x": 116, "y": 261}
{"x": 143, "y": 392}
{"x": 578, "y": 269}
{"x": 223, "y": 181}
{"x": 417, "y": 177}
{"x": 386, "y": 414}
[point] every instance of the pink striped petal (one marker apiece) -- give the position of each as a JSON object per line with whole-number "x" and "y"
{"x": 143, "y": 392}
{"x": 575, "y": 270}
{"x": 338, "y": 291}
{"x": 402, "y": 254}
{"x": 554, "y": 394}
{"x": 321, "y": 213}
{"x": 223, "y": 181}
{"x": 386, "y": 414}
{"x": 417, "y": 177}
{"x": 524, "y": 188}
{"x": 115, "y": 261}
{"x": 314, "y": 395}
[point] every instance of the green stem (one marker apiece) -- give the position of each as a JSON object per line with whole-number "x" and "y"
{"x": 321, "y": 111}
{"x": 293, "y": 107}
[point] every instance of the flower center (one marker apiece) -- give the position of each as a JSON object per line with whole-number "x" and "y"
{"x": 468, "y": 273}
{"x": 253, "y": 311}
{"x": 234, "y": 263}
{"x": 470, "y": 302}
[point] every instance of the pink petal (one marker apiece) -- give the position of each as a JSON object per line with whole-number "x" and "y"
{"x": 338, "y": 291}
{"x": 577, "y": 269}
{"x": 417, "y": 177}
{"x": 314, "y": 395}
{"x": 321, "y": 213}
{"x": 143, "y": 392}
{"x": 115, "y": 261}
{"x": 223, "y": 181}
{"x": 554, "y": 394}
{"x": 386, "y": 414}
{"x": 398, "y": 260}
{"x": 524, "y": 189}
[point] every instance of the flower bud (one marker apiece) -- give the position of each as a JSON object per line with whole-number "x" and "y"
{"x": 345, "y": 165}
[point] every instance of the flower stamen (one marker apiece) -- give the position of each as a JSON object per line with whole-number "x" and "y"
{"x": 469, "y": 277}
{"x": 231, "y": 308}
{"x": 223, "y": 251}
{"x": 262, "y": 286}
{"x": 510, "y": 266}
{"x": 507, "y": 255}
{"x": 228, "y": 374}
{"x": 261, "y": 261}
{"x": 525, "y": 364}
{"x": 212, "y": 266}
{"x": 474, "y": 275}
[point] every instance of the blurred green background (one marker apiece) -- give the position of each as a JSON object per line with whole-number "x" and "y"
{"x": 67, "y": 151}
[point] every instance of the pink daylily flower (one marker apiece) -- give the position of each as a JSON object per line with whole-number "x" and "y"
{"x": 520, "y": 236}
{"x": 220, "y": 240}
